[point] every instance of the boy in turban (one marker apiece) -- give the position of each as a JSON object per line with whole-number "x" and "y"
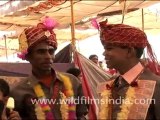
{"x": 43, "y": 94}
{"x": 135, "y": 85}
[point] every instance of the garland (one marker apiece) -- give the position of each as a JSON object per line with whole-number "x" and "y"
{"x": 43, "y": 110}
{"x": 125, "y": 108}
{"x": 123, "y": 114}
{"x": 104, "y": 108}
{"x": 67, "y": 107}
{"x": 68, "y": 92}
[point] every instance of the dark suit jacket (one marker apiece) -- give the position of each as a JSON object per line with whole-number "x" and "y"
{"x": 150, "y": 90}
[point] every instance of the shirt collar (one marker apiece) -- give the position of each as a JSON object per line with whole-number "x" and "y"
{"x": 32, "y": 80}
{"x": 133, "y": 73}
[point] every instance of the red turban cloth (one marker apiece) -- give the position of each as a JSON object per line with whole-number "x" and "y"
{"x": 32, "y": 36}
{"x": 122, "y": 35}
{"x": 125, "y": 35}
{"x": 38, "y": 34}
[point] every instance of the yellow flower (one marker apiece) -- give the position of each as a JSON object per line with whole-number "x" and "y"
{"x": 64, "y": 107}
{"x": 39, "y": 112}
{"x": 125, "y": 107}
{"x": 46, "y": 108}
{"x": 38, "y": 91}
{"x": 66, "y": 82}
{"x": 69, "y": 93}
{"x": 72, "y": 108}
{"x": 104, "y": 108}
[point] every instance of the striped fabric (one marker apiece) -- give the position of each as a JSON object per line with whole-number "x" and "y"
{"x": 122, "y": 35}
{"x": 36, "y": 34}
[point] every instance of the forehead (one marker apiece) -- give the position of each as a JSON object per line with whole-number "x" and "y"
{"x": 95, "y": 57}
{"x": 43, "y": 45}
{"x": 113, "y": 46}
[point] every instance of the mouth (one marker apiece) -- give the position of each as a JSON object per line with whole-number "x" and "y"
{"x": 47, "y": 64}
{"x": 107, "y": 60}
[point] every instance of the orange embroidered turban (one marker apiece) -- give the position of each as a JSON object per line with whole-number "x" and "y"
{"x": 32, "y": 36}
{"x": 122, "y": 35}
{"x": 42, "y": 32}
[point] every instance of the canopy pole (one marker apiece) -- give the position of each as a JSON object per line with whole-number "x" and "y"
{"x": 72, "y": 26}
{"x": 5, "y": 39}
{"x": 123, "y": 10}
{"x": 142, "y": 19}
{"x": 143, "y": 28}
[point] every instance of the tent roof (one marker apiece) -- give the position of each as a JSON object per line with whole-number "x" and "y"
{"x": 30, "y": 13}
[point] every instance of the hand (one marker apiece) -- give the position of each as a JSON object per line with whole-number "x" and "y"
{"x": 14, "y": 115}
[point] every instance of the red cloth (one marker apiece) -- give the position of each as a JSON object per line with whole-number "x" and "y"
{"x": 125, "y": 35}
{"x": 122, "y": 35}
{"x": 112, "y": 71}
{"x": 40, "y": 33}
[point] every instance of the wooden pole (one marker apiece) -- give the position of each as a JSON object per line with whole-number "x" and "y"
{"x": 5, "y": 39}
{"x": 72, "y": 25}
{"x": 142, "y": 19}
{"x": 143, "y": 29}
{"x": 123, "y": 10}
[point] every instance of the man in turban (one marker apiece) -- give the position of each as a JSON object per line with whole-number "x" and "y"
{"x": 136, "y": 88}
{"x": 46, "y": 94}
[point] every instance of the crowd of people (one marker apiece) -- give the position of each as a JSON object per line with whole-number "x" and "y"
{"x": 123, "y": 45}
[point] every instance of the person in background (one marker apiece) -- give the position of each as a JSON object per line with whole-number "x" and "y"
{"x": 77, "y": 73}
{"x": 38, "y": 45}
{"x": 6, "y": 114}
{"x": 135, "y": 84}
{"x": 94, "y": 58}
{"x": 74, "y": 71}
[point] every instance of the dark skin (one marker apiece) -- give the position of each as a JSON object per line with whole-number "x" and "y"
{"x": 121, "y": 59}
{"x": 41, "y": 59}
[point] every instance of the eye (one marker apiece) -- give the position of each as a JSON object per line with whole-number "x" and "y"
{"x": 41, "y": 51}
{"x": 51, "y": 51}
{"x": 109, "y": 48}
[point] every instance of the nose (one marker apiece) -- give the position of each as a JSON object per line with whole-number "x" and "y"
{"x": 48, "y": 55}
{"x": 104, "y": 53}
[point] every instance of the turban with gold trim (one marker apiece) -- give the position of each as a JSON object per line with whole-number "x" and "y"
{"x": 122, "y": 35}
{"x": 33, "y": 35}
{"x": 125, "y": 35}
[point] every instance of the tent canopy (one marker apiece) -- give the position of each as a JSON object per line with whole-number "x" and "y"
{"x": 29, "y": 13}
{"x": 15, "y": 16}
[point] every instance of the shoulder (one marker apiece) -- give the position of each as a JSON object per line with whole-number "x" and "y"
{"x": 21, "y": 83}
{"x": 20, "y": 89}
{"x": 148, "y": 75}
{"x": 70, "y": 77}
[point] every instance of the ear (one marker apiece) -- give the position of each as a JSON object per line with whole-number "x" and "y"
{"x": 28, "y": 57}
{"x": 131, "y": 52}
